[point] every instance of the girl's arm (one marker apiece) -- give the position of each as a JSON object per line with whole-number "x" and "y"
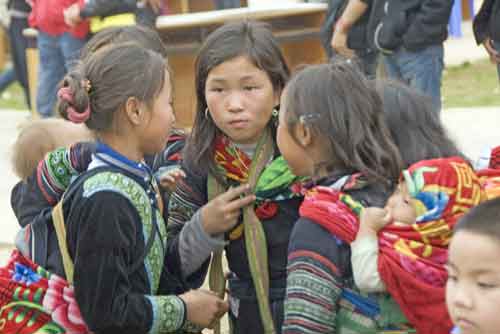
{"x": 314, "y": 280}
{"x": 187, "y": 239}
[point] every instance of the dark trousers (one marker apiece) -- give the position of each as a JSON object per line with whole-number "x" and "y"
{"x": 18, "y": 45}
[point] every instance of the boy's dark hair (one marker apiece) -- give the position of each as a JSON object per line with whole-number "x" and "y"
{"x": 115, "y": 73}
{"x": 483, "y": 219}
{"x": 414, "y": 124}
{"x": 250, "y": 39}
{"x": 341, "y": 107}
{"x": 143, "y": 36}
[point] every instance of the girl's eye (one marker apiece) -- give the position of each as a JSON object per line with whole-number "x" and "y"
{"x": 486, "y": 286}
{"x": 452, "y": 278}
{"x": 250, "y": 88}
{"x": 216, "y": 90}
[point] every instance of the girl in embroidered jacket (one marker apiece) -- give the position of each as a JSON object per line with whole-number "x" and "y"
{"x": 116, "y": 236}
{"x": 240, "y": 73}
{"x": 332, "y": 128}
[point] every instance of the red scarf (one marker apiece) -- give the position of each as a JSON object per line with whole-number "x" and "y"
{"x": 411, "y": 257}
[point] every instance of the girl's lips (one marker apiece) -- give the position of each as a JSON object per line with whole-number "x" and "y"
{"x": 465, "y": 324}
{"x": 238, "y": 123}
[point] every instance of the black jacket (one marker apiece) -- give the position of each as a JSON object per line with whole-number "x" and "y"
{"x": 487, "y": 21}
{"x": 413, "y": 24}
{"x": 19, "y": 5}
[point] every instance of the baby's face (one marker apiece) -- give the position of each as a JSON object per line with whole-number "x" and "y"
{"x": 401, "y": 205}
{"x": 473, "y": 287}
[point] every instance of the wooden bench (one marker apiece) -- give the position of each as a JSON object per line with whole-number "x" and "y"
{"x": 296, "y": 28}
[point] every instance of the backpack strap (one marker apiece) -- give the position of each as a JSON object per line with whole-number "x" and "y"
{"x": 58, "y": 221}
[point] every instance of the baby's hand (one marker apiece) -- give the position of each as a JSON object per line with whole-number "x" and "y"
{"x": 373, "y": 219}
{"x": 169, "y": 179}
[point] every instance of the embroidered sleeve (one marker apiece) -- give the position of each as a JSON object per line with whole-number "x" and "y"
{"x": 169, "y": 314}
{"x": 55, "y": 171}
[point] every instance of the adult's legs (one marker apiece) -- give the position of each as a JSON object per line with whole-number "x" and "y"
{"x": 18, "y": 45}
{"x": 70, "y": 47}
{"x": 7, "y": 77}
{"x": 421, "y": 69}
{"x": 51, "y": 70}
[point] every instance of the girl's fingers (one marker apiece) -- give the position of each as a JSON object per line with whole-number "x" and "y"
{"x": 236, "y": 192}
{"x": 240, "y": 203}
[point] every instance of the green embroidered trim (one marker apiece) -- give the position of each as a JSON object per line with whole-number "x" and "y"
{"x": 133, "y": 191}
{"x": 59, "y": 167}
{"x": 168, "y": 314}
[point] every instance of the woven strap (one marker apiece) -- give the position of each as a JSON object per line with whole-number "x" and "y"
{"x": 255, "y": 239}
{"x": 216, "y": 279}
{"x": 58, "y": 221}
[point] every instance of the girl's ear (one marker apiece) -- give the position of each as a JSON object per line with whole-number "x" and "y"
{"x": 303, "y": 135}
{"x": 134, "y": 111}
{"x": 277, "y": 97}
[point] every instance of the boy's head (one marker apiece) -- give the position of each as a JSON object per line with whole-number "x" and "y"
{"x": 435, "y": 189}
{"x": 473, "y": 287}
{"x": 36, "y": 138}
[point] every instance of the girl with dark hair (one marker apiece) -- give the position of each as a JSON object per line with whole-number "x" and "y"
{"x": 240, "y": 74}
{"x": 332, "y": 128}
{"x": 415, "y": 127}
{"x": 113, "y": 240}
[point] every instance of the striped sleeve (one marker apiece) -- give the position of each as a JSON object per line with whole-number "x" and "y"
{"x": 311, "y": 295}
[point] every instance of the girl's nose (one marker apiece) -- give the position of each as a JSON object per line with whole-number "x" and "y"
{"x": 234, "y": 102}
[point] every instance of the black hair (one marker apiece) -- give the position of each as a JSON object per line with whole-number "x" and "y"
{"x": 143, "y": 36}
{"x": 107, "y": 78}
{"x": 483, "y": 219}
{"x": 414, "y": 124}
{"x": 343, "y": 109}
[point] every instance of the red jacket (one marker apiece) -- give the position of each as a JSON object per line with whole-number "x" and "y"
{"x": 47, "y": 16}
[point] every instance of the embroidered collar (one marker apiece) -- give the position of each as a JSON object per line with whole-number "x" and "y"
{"x": 106, "y": 155}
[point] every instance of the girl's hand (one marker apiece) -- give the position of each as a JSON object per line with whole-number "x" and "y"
{"x": 373, "y": 220}
{"x": 204, "y": 307}
{"x": 222, "y": 213}
{"x": 169, "y": 179}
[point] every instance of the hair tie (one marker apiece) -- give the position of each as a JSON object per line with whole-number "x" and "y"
{"x": 78, "y": 117}
{"x": 65, "y": 94}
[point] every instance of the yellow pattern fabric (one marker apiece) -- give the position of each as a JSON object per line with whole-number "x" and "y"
{"x": 99, "y": 23}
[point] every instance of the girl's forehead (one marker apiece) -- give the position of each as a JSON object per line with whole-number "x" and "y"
{"x": 240, "y": 67}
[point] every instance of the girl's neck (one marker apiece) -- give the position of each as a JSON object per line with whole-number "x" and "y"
{"x": 123, "y": 145}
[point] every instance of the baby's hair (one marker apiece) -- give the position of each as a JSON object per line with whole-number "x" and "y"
{"x": 143, "y": 36}
{"x": 102, "y": 83}
{"x": 483, "y": 219}
{"x": 38, "y": 137}
{"x": 344, "y": 112}
{"x": 414, "y": 124}
{"x": 253, "y": 40}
